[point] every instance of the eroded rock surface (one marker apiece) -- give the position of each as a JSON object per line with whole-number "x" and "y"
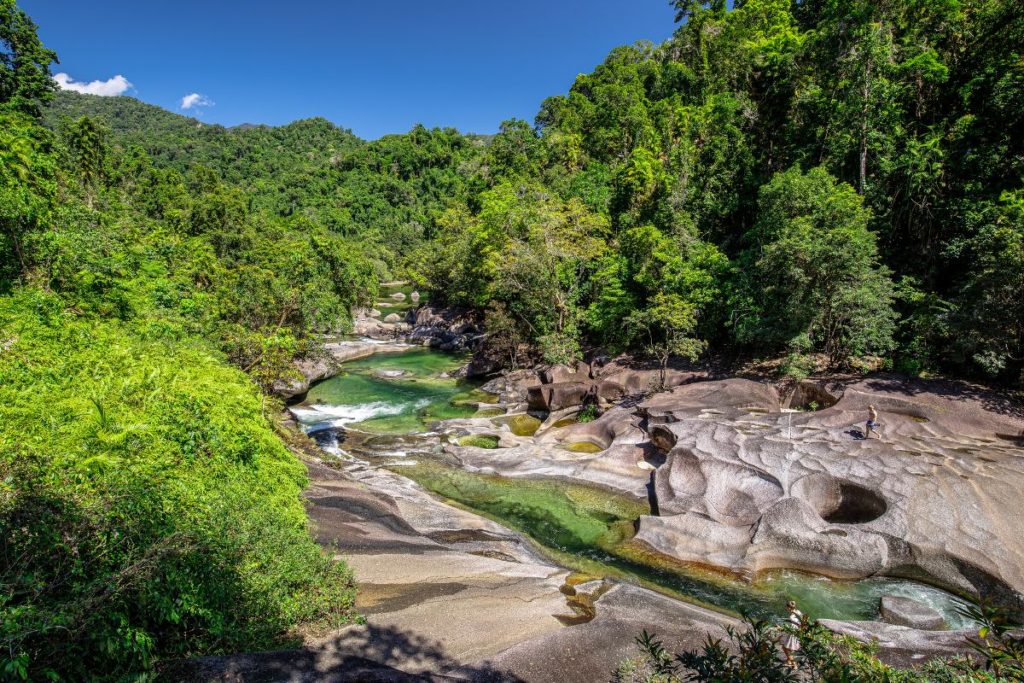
{"x": 936, "y": 497}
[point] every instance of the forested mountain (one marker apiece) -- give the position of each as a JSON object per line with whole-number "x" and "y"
{"x": 778, "y": 178}
{"x": 781, "y": 177}
{"x": 817, "y": 180}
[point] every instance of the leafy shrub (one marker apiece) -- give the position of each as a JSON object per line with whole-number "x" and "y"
{"x": 147, "y": 510}
{"x": 754, "y": 654}
{"x": 480, "y": 441}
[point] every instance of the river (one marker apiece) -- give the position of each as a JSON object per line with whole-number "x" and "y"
{"x": 385, "y": 410}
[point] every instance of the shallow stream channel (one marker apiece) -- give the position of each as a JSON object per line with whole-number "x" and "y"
{"x": 385, "y": 410}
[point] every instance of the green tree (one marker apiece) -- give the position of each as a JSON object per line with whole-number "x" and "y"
{"x": 992, "y": 303}
{"x": 25, "y": 82}
{"x": 811, "y": 279}
{"x": 668, "y": 324}
{"x": 26, "y": 189}
{"x": 87, "y": 142}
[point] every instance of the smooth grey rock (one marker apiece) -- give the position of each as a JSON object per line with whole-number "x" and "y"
{"x": 935, "y": 496}
{"x": 907, "y": 612}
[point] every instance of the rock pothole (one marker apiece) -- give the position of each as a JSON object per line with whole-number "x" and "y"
{"x": 838, "y": 501}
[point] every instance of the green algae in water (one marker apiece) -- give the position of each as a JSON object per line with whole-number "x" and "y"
{"x": 489, "y": 412}
{"x": 477, "y": 396}
{"x": 480, "y": 441}
{"x": 582, "y": 447}
{"x": 584, "y": 528}
{"x": 416, "y": 362}
{"x": 521, "y": 425}
{"x": 557, "y": 514}
{"x": 589, "y": 530}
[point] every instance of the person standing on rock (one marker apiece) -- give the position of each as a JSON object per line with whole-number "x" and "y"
{"x": 790, "y": 641}
{"x": 872, "y": 423}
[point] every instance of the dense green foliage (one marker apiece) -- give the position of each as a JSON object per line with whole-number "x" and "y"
{"x": 383, "y": 194}
{"x": 814, "y": 176}
{"x": 147, "y": 508}
{"x": 779, "y": 177}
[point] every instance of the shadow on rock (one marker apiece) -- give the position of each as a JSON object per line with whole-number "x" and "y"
{"x": 359, "y": 653}
{"x": 1001, "y": 402}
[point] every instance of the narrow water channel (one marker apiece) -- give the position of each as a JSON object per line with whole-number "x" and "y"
{"x": 383, "y": 409}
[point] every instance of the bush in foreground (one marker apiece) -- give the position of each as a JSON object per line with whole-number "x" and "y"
{"x": 147, "y": 510}
{"x": 754, "y": 654}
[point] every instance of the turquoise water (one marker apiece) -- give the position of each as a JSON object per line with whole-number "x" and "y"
{"x": 590, "y": 530}
{"x": 367, "y": 398}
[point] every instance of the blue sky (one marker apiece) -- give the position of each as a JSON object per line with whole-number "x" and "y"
{"x": 376, "y": 67}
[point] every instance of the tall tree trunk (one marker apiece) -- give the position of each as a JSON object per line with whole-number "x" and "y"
{"x": 864, "y": 129}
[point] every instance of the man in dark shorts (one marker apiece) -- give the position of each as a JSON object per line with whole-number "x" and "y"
{"x": 872, "y": 423}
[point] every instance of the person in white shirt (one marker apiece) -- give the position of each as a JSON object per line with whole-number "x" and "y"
{"x": 790, "y": 643}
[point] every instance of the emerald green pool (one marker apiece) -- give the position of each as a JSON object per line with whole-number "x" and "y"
{"x": 580, "y": 526}
{"x": 367, "y": 397}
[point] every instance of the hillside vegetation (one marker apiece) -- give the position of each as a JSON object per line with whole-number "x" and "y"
{"x": 808, "y": 180}
{"x": 780, "y": 178}
{"x": 147, "y": 508}
{"x": 844, "y": 178}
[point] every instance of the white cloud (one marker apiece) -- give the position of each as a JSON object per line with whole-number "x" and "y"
{"x": 195, "y": 100}
{"x": 108, "y": 88}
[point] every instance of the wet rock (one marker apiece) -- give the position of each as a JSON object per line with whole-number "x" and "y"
{"x": 901, "y": 645}
{"x": 907, "y": 612}
{"x": 450, "y": 329}
{"x": 415, "y": 296}
{"x": 392, "y": 318}
{"x": 398, "y": 296}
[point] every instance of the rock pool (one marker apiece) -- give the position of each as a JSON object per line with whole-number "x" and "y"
{"x": 382, "y": 409}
